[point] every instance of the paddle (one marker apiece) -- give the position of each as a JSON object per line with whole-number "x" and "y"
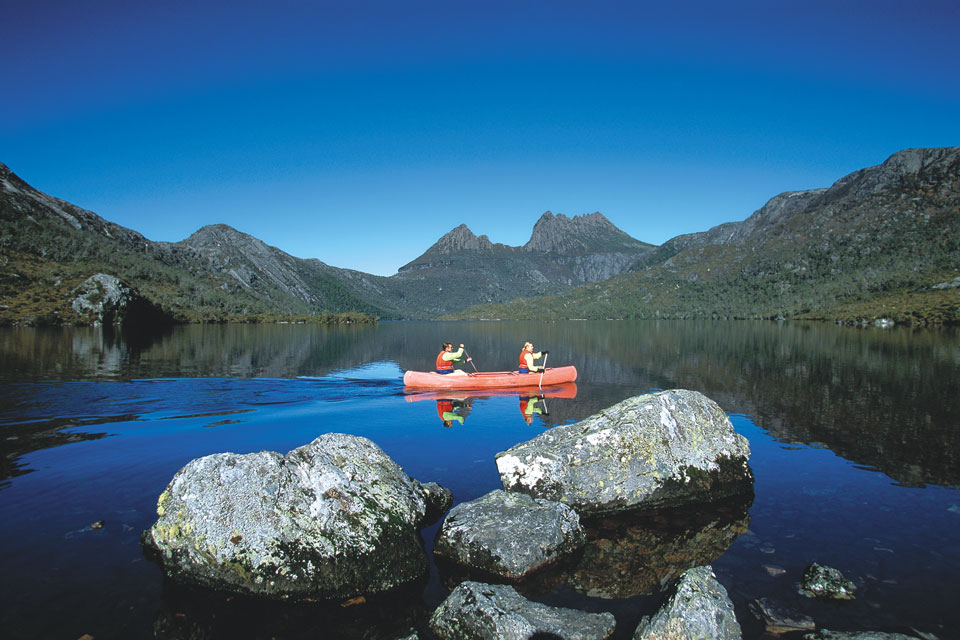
{"x": 471, "y": 361}
{"x": 542, "y": 370}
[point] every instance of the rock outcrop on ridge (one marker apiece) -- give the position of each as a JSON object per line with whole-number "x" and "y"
{"x": 103, "y": 299}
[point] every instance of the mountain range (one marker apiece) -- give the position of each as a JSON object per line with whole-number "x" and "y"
{"x": 881, "y": 242}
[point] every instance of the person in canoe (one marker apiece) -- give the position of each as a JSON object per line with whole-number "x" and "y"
{"x": 448, "y": 357}
{"x": 527, "y": 356}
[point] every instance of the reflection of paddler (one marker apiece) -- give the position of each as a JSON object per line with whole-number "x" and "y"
{"x": 529, "y": 406}
{"x": 447, "y": 413}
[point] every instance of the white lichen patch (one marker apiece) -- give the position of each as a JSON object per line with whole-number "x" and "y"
{"x": 526, "y": 474}
{"x": 600, "y": 437}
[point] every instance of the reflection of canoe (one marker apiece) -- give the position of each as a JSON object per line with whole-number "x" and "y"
{"x": 489, "y": 379}
{"x": 567, "y": 390}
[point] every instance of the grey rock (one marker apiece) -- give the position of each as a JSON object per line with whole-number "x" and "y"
{"x": 662, "y": 449}
{"x": 778, "y": 619}
{"x": 826, "y": 634}
{"x": 475, "y": 610}
{"x": 509, "y": 534}
{"x": 336, "y": 518}
{"x": 949, "y": 284}
{"x": 820, "y": 581}
{"x": 104, "y": 299}
{"x": 698, "y": 608}
{"x": 439, "y": 500}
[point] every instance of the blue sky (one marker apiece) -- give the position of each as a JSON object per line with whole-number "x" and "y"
{"x": 359, "y": 132}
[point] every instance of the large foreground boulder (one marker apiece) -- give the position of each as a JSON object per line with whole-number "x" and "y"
{"x": 699, "y": 607}
{"x": 475, "y": 610}
{"x": 655, "y": 450}
{"x": 335, "y": 518}
{"x": 509, "y": 534}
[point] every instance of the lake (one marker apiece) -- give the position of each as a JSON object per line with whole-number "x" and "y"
{"x": 854, "y": 433}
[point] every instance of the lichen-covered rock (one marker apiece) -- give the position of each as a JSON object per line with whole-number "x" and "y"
{"x": 654, "y": 450}
{"x": 826, "y": 634}
{"x": 509, "y": 534}
{"x": 475, "y": 610}
{"x": 820, "y": 581}
{"x": 335, "y": 518}
{"x": 698, "y": 608}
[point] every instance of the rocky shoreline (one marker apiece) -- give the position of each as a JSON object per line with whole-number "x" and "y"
{"x": 337, "y": 521}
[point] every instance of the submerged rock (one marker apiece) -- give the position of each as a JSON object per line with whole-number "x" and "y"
{"x": 699, "y": 607}
{"x": 477, "y": 610}
{"x": 778, "y": 620}
{"x": 509, "y": 534}
{"x": 826, "y": 582}
{"x": 336, "y": 518}
{"x": 826, "y": 634}
{"x": 663, "y": 449}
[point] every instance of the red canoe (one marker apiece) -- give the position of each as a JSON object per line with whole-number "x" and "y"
{"x": 488, "y": 379}
{"x": 565, "y": 390}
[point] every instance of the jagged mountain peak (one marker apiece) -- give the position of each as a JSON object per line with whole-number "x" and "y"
{"x": 214, "y": 233}
{"x": 460, "y": 238}
{"x": 557, "y": 233}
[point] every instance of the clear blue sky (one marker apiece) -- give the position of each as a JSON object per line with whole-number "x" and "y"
{"x": 359, "y": 132}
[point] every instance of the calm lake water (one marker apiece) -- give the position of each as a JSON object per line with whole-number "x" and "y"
{"x": 855, "y": 439}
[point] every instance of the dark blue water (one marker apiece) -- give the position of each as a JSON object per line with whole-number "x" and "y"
{"x": 854, "y": 438}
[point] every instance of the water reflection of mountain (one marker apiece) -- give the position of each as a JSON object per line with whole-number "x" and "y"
{"x": 23, "y": 438}
{"x": 881, "y": 398}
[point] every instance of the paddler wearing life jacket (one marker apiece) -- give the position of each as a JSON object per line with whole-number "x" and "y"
{"x": 527, "y": 356}
{"x": 448, "y": 357}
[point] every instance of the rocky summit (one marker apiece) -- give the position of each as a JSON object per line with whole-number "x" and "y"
{"x": 655, "y": 450}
